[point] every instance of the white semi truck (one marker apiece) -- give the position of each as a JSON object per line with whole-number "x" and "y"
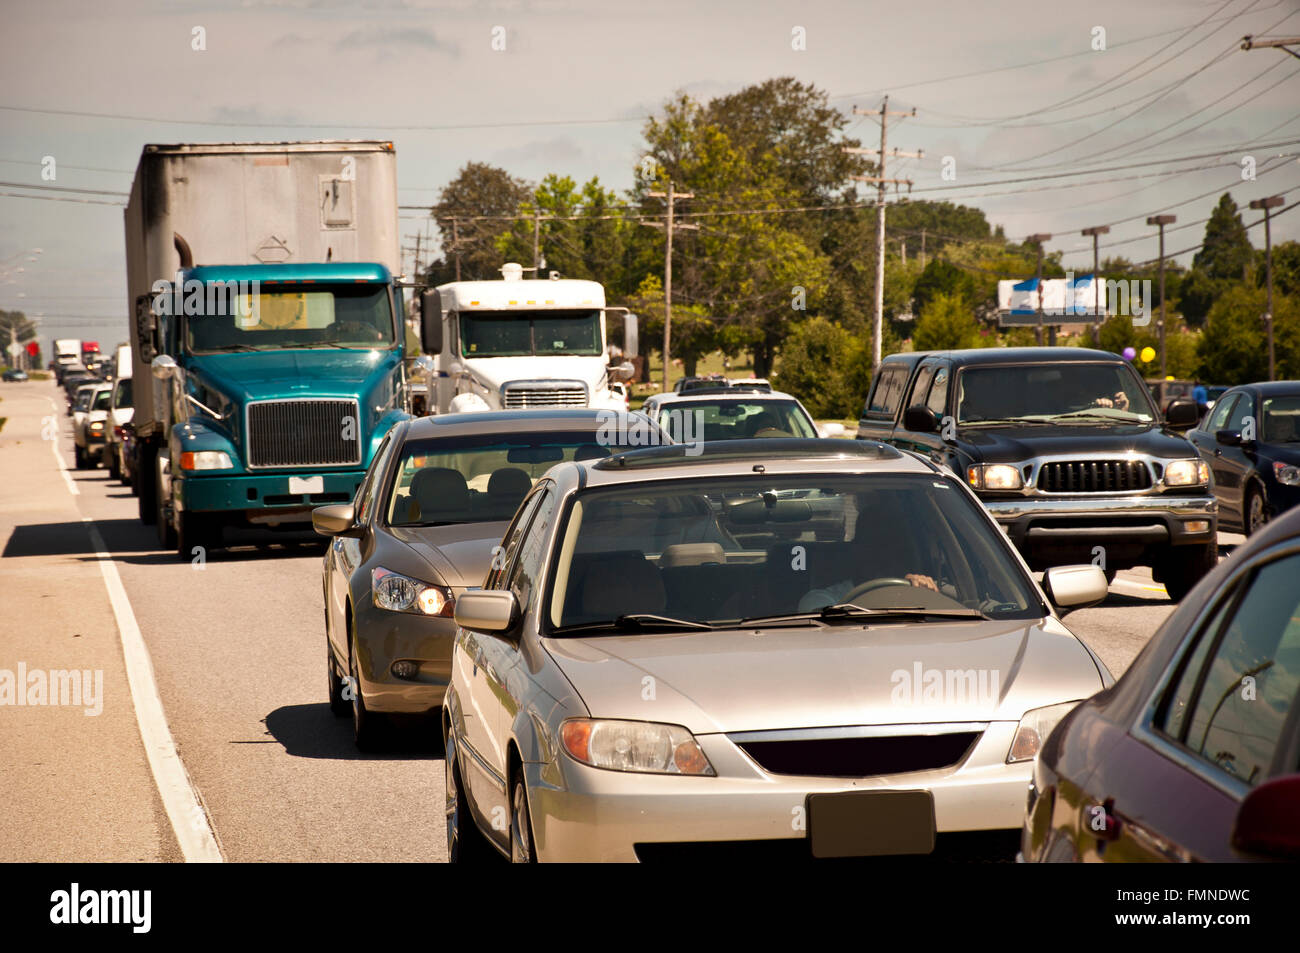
{"x": 67, "y": 353}
{"x": 516, "y": 344}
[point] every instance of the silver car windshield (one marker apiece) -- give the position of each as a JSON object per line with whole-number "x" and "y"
{"x": 718, "y": 550}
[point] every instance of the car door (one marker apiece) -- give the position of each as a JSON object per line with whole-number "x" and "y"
{"x": 1235, "y": 464}
{"x": 1215, "y": 730}
{"x": 881, "y": 410}
{"x": 345, "y": 555}
{"x": 1202, "y": 436}
{"x": 478, "y": 655}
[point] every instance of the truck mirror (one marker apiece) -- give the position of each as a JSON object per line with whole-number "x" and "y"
{"x": 164, "y": 366}
{"x": 430, "y": 322}
{"x": 920, "y": 419}
{"x": 622, "y": 372}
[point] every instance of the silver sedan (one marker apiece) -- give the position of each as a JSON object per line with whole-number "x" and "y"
{"x": 779, "y": 648}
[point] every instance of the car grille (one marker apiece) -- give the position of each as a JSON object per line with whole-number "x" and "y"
{"x": 861, "y": 757}
{"x": 290, "y": 433}
{"x": 559, "y": 394}
{"x": 1094, "y": 476}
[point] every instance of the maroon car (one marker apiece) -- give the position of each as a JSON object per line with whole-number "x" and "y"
{"x": 1194, "y": 753}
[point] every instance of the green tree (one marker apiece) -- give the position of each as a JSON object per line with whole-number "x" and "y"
{"x": 1286, "y": 269}
{"x": 1233, "y": 348}
{"x": 1226, "y": 253}
{"x": 822, "y": 364}
{"x": 694, "y": 333}
{"x": 482, "y": 200}
{"x": 946, "y": 324}
{"x": 942, "y": 277}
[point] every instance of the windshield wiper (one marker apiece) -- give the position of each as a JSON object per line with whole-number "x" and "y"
{"x": 635, "y": 622}
{"x": 1005, "y": 420}
{"x": 1129, "y": 416}
{"x": 848, "y": 612}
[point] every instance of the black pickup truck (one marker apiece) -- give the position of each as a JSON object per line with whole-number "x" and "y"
{"x": 1065, "y": 448}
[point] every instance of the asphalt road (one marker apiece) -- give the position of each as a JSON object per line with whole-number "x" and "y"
{"x": 237, "y": 649}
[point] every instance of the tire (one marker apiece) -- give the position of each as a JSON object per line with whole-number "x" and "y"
{"x": 114, "y": 471}
{"x": 79, "y": 457}
{"x": 146, "y": 483}
{"x": 366, "y": 727}
{"x": 1183, "y": 566}
{"x": 521, "y": 823}
{"x": 166, "y": 532}
{"x": 1254, "y": 514}
{"x": 465, "y": 842}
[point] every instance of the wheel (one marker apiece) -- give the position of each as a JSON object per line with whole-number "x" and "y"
{"x": 521, "y": 824}
{"x": 196, "y": 529}
{"x": 146, "y": 485}
{"x": 366, "y": 726}
{"x": 166, "y": 532}
{"x": 339, "y": 705}
{"x": 79, "y": 457}
{"x": 465, "y": 842}
{"x": 114, "y": 471}
{"x": 1183, "y": 566}
{"x": 1255, "y": 512}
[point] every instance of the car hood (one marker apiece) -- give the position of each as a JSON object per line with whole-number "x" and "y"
{"x": 1014, "y": 444}
{"x": 767, "y": 679}
{"x": 460, "y": 554}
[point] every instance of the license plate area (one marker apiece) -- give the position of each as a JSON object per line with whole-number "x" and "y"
{"x": 871, "y": 823}
{"x": 313, "y": 484}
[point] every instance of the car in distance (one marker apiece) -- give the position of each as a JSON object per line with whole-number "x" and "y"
{"x": 89, "y": 424}
{"x": 784, "y": 648}
{"x": 1194, "y": 753}
{"x": 418, "y": 534}
{"x": 1251, "y": 442}
{"x": 14, "y": 374}
{"x": 729, "y": 414}
{"x": 1065, "y": 448}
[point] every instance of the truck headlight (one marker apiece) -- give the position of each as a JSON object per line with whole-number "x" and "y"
{"x": 1034, "y": 727}
{"x": 994, "y": 476}
{"x": 643, "y": 746}
{"x": 1186, "y": 473}
{"x": 1286, "y": 473}
{"x": 398, "y": 593}
{"x": 206, "y": 460}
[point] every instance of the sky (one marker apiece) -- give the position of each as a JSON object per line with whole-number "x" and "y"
{"x": 1072, "y": 96}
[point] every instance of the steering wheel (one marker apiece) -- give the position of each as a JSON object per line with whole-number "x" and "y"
{"x": 771, "y": 432}
{"x": 871, "y": 585}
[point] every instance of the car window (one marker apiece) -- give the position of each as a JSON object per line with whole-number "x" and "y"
{"x": 1245, "y": 407}
{"x": 1246, "y": 681}
{"x": 887, "y": 393}
{"x": 366, "y": 494}
{"x": 921, "y": 385}
{"x": 523, "y": 576}
{"x": 503, "y": 557}
{"x": 1057, "y": 391}
{"x": 102, "y": 399}
{"x": 937, "y": 401}
{"x": 1219, "y": 419}
{"x": 1281, "y": 419}
{"x": 726, "y": 419}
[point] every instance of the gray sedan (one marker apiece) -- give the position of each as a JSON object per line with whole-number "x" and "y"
{"x": 777, "y": 648}
{"x": 419, "y": 533}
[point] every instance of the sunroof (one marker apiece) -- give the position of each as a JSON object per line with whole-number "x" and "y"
{"x": 685, "y": 454}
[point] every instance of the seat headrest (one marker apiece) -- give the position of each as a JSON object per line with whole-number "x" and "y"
{"x": 509, "y": 481}
{"x": 590, "y": 451}
{"x": 440, "y": 491}
{"x": 691, "y": 554}
{"x": 622, "y": 584}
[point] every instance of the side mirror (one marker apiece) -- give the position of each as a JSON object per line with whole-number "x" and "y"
{"x": 1229, "y": 438}
{"x": 336, "y": 519}
{"x": 1075, "y": 587}
{"x": 425, "y": 365}
{"x": 920, "y": 419}
{"x": 486, "y": 610}
{"x": 1268, "y": 822}
{"x": 430, "y": 322}
{"x": 619, "y": 373}
{"x": 1182, "y": 413}
{"x": 164, "y": 366}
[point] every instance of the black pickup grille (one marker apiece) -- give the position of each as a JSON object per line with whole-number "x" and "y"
{"x": 290, "y": 433}
{"x": 1094, "y": 476}
{"x": 861, "y": 757}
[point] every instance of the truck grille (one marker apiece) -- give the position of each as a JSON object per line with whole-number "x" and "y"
{"x": 861, "y": 757}
{"x": 291, "y": 433}
{"x": 1094, "y": 476}
{"x": 546, "y": 394}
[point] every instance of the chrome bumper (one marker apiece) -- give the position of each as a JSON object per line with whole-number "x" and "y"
{"x": 1138, "y": 520}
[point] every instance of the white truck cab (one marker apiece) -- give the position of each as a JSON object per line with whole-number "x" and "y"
{"x": 515, "y": 344}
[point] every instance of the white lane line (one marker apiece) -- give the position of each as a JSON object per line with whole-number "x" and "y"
{"x": 58, "y": 457}
{"x": 189, "y": 820}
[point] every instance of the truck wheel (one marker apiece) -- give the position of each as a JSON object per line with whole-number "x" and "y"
{"x": 1183, "y": 566}
{"x": 196, "y": 529}
{"x": 166, "y": 532}
{"x": 79, "y": 457}
{"x": 146, "y": 485}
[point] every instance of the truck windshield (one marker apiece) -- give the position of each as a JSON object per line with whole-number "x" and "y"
{"x": 518, "y": 333}
{"x": 1057, "y": 392}
{"x": 301, "y": 316}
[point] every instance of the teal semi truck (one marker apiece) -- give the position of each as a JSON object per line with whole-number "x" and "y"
{"x": 268, "y": 337}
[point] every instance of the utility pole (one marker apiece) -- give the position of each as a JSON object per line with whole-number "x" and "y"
{"x": 670, "y": 198}
{"x": 923, "y": 249}
{"x": 416, "y": 269}
{"x": 902, "y": 245}
{"x": 884, "y": 113}
{"x": 537, "y": 235}
{"x": 1162, "y": 221}
{"x": 455, "y": 244}
{"x": 1038, "y": 240}
{"x": 1273, "y": 201}
{"x": 1284, "y": 43}
{"x": 1095, "y": 231}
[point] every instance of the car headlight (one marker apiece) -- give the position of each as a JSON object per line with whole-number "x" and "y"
{"x": 206, "y": 460}
{"x": 994, "y": 476}
{"x": 1186, "y": 473}
{"x": 97, "y": 425}
{"x": 1033, "y": 730}
{"x": 1286, "y": 473}
{"x": 635, "y": 746}
{"x": 391, "y": 590}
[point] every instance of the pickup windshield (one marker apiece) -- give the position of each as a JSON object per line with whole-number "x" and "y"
{"x": 525, "y": 333}
{"x": 299, "y": 316}
{"x": 1084, "y": 394}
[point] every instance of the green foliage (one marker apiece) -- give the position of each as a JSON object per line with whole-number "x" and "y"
{"x": 1286, "y": 269}
{"x": 946, "y": 324}
{"x": 824, "y": 365}
{"x": 694, "y": 331}
{"x": 943, "y": 277}
{"x": 1226, "y": 253}
{"x": 481, "y": 198}
{"x": 1234, "y": 348}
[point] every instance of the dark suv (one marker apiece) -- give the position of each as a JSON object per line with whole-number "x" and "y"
{"x": 1065, "y": 448}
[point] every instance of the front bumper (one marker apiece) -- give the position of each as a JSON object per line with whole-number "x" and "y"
{"x": 385, "y": 637}
{"x": 581, "y": 813}
{"x": 207, "y": 491}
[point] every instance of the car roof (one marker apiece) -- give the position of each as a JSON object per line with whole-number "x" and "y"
{"x": 1010, "y": 355}
{"x": 1272, "y": 388}
{"x": 517, "y": 421}
{"x": 722, "y": 393}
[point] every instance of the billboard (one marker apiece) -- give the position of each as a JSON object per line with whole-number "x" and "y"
{"x": 1072, "y": 299}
